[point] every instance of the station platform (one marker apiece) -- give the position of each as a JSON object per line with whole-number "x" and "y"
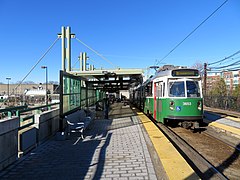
{"x": 113, "y": 148}
{"x": 125, "y": 146}
{"x": 224, "y": 120}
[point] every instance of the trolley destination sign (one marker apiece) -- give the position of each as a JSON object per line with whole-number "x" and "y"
{"x": 185, "y": 72}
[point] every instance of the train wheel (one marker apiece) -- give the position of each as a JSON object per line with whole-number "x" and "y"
{"x": 165, "y": 121}
{"x": 148, "y": 114}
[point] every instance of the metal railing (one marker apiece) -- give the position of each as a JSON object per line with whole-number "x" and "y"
{"x": 25, "y": 113}
{"x": 231, "y": 103}
{"x": 11, "y": 111}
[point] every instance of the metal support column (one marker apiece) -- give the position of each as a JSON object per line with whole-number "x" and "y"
{"x": 68, "y": 49}
{"x": 63, "y": 49}
{"x": 87, "y": 100}
{"x": 84, "y": 61}
{"x": 81, "y": 61}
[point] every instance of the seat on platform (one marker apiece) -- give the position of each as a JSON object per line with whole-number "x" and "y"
{"x": 78, "y": 121}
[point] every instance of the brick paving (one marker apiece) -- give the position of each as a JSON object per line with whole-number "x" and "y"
{"x": 113, "y": 148}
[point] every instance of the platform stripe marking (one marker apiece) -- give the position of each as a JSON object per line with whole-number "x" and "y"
{"x": 225, "y": 127}
{"x": 174, "y": 164}
{"x": 233, "y": 118}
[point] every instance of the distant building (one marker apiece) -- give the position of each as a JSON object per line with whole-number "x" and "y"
{"x": 231, "y": 78}
{"x": 212, "y": 78}
{"x": 29, "y": 93}
{"x": 23, "y": 88}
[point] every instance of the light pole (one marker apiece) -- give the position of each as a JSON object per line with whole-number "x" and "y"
{"x": 8, "y": 78}
{"x": 46, "y": 96}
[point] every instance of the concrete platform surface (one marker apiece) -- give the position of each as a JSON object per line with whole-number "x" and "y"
{"x": 224, "y": 120}
{"x": 113, "y": 148}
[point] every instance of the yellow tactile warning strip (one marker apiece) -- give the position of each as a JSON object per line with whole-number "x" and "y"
{"x": 233, "y": 118}
{"x": 174, "y": 164}
{"x": 231, "y": 129}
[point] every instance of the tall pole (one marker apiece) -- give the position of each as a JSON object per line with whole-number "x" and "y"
{"x": 46, "y": 85}
{"x": 63, "y": 48}
{"x": 81, "y": 61}
{"x": 66, "y": 37}
{"x": 8, "y": 78}
{"x": 46, "y": 95}
{"x": 68, "y": 49}
{"x": 84, "y": 61}
{"x": 205, "y": 79}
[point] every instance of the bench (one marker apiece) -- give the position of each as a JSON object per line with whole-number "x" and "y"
{"x": 79, "y": 121}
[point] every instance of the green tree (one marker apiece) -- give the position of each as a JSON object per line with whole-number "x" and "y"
{"x": 236, "y": 91}
{"x": 219, "y": 88}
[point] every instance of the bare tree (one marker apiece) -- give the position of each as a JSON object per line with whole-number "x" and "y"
{"x": 197, "y": 65}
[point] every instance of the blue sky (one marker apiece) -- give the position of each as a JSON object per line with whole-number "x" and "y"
{"x": 129, "y": 33}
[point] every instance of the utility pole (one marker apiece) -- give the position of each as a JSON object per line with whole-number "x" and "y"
{"x": 205, "y": 79}
{"x": 46, "y": 94}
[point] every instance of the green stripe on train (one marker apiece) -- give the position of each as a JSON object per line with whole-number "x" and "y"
{"x": 181, "y": 107}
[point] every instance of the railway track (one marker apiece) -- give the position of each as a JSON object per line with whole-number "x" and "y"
{"x": 198, "y": 161}
{"x": 223, "y": 140}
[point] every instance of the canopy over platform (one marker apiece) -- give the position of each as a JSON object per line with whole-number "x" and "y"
{"x": 111, "y": 80}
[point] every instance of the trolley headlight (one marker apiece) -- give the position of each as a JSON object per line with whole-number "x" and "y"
{"x": 171, "y": 105}
{"x": 199, "y": 105}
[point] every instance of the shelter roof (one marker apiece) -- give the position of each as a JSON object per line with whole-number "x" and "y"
{"x": 111, "y": 80}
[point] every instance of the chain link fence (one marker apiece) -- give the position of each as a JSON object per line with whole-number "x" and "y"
{"x": 223, "y": 102}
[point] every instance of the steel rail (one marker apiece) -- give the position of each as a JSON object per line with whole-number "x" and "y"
{"x": 223, "y": 141}
{"x": 200, "y": 165}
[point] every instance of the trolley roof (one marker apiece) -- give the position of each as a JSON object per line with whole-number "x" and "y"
{"x": 174, "y": 71}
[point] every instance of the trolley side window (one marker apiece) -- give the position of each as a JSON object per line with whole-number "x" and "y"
{"x": 163, "y": 89}
{"x": 193, "y": 89}
{"x": 148, "y": 89}
{"x": 159, "y": 90}
{"x": 176, "y": 89}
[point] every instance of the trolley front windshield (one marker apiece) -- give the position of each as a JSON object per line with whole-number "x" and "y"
{"x": 184, "y": 88}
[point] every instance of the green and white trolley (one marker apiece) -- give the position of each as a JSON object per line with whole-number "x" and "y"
{"x": 173, "y": 95}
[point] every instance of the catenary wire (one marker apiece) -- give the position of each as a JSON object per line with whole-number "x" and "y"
{"x": 220, "y": 61}
{"x": 100, "y": 55}
{"x": 40, "y": 59}
{"x": 88, "y": 59}
{"x": 230, "y": 60}
{"x": 192, "y": 32}
{"x": 221, "y": 67}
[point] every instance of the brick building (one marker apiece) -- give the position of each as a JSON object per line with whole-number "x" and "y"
{"x": 231, "y": 78}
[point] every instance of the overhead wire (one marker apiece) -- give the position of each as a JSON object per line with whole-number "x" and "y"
{"x": 229, "y": 60}
{"x": 88, "y": 59}
{"x": 40, "y": 59}
{"x": 192, "y": 32}
{"x": 224, "y": 59}
{"x": 97, "y": 53}
{"x": 229, "y": 67}
{"x": 95, "y": 61}
{"x": 233, "y": 68}
{"x": 221, "y": 67}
